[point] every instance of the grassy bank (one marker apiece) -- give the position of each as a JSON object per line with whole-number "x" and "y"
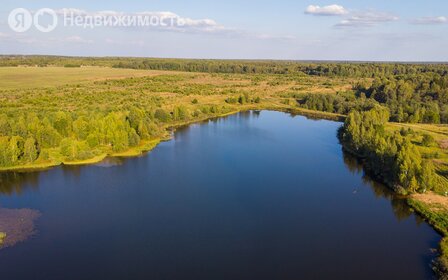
{"x": 435, "y": 211}
{"x": 432, "y": 207}
{"x": 394, "y": 158}
{"x": 142, "y": 148}
{"x": 149, "y": 145}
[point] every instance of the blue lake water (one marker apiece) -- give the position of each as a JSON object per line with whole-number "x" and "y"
{"x": 257, "y": 195}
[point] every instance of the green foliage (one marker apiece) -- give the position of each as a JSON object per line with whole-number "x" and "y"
{"x": 391, "y": 157}
{"x": 232, "y": 100}
{"x": 242, "y": 99}
{"x": 438, "y": 218}
{"x": 180, "y": 113}
{"x": 73, "y": 135}
{"x": 428, "y": 140}
{"x": 2, "y": 237}
{"x": 411, "y": 97}
{"x": 444, "y": 256}
{"x": 72, "y": 65}
{"x": 69, "y": 149}
{"x": 162, "y": 115}
{"x": 327, "y": 69}
{"x": 30, "y": 150}
{"x": 340, "y": 103}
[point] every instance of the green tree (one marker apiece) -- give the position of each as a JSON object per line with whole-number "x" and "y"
{"x": 30, "y": 150}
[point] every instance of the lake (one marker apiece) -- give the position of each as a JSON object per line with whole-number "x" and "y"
{"x": 256, "y": 195}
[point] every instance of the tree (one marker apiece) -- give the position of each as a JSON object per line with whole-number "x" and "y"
{"x": 62, "y": 123}
{"x": 427, "y": 176}
{"x": 69, "y": 149}
{"x": 30, "y": 150}
{"x": 81, "y": 128}
{"x": 162, "y": 115}
{"x": 5, "y": 127}
{"x": 16, "y": 144}
{"x": 428, "y": 140}
{"x": 242, "y": 99}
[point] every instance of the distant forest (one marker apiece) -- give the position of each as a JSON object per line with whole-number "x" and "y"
{"x": 329, "y": 69}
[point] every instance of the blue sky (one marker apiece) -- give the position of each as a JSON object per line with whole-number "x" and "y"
{"x": 392, "y": 30}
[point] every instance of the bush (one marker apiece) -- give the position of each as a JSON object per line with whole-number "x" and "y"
{"x": 162, "y": 115}
{"x": 2, "y": 237}
{"x": 428, "y": 141}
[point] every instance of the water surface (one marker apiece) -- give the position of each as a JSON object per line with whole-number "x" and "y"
{"x": 251, "y": 196}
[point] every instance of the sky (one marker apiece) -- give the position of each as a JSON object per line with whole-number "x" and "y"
{"x": 379, "y": 30}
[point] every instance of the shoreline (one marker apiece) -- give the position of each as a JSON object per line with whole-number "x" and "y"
{"x": 148, "y": 145}
{"x": 423, "y": 209}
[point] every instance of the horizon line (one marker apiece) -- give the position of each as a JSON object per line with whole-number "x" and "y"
{"x": 235, "y": 59}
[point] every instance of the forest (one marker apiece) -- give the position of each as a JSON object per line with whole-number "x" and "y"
{"x": 410, "y": 98}
{"x": 313, "y": 68}
{"x": 391, "y": 157}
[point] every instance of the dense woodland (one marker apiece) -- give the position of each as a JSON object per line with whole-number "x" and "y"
{"x": 421, "y": 98}
{"x": 391, "y": 157}
{"x": 26, "y": 137}
{"x": 314, "y": 68}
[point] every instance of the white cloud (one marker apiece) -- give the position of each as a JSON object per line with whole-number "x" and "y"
{"x": 430, "y": 20}
{"x": 366, "y": 19}
{"x": 331, "y": 10}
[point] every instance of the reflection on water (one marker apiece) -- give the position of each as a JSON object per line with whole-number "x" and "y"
{"x": 110, "y": 161}
{"x": 401, "y": 209}
{"x": 15, "y": 183}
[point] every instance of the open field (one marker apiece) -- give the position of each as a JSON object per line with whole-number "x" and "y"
{"x": 73, "y": 89}
{"x": 38, "y": 77}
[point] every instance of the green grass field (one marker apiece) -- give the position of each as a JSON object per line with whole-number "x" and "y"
{"x": 38, "y": 77}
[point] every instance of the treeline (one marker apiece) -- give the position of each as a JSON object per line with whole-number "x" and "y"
{"x": 341, "y": 103}
{"x": 391, "y": 157}
{"x": 412, "y": 98}
{"x": 329, "y": 69}
{"x": 69, "y": 136}
{"x": 415, "y": 98}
